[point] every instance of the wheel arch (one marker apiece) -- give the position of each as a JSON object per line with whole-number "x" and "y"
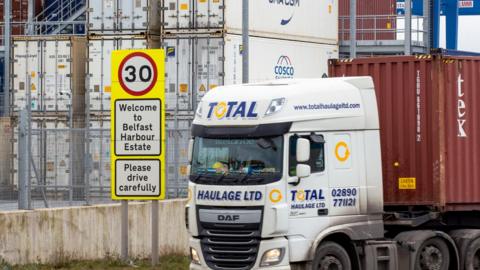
{"x": 414, "y": 239}
{"x": 344, "y": 240}
{"x": 463, "y": 239}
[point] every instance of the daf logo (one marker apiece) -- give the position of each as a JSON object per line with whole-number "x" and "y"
{"x": 228, "y": 217}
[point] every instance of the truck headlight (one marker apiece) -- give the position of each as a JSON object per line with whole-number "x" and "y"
{"x": 272, "y": 257}
{"x": 194, "y": 256}
{"x": 275, "y": 106}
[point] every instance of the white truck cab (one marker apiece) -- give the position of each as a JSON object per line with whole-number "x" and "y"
{"x": 279, "y": 168}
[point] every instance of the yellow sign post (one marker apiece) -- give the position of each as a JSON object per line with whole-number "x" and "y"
{"x": 137, "y": 125}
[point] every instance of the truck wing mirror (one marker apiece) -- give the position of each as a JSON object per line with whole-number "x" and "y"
{"x": 190, "y": 150}
{"x": 303, "y": 150}
{"x": 317, "y": 138}
{"x": 303, "y": 170}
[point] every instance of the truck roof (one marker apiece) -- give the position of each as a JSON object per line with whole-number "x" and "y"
{"x": 330, "y": 103}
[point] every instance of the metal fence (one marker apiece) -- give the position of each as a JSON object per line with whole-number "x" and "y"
{"x": 70, "y": 161}
{"x": 383, "y": 28}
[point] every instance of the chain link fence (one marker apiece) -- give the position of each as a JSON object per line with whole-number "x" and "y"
{"x": 70, "y": 161}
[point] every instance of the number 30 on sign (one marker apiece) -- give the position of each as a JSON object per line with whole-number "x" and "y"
{"x": 137, "y": 125}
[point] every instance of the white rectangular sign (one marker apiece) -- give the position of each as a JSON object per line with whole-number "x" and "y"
{"x": 137, "y": 127}
{"x": 137, "y": 177}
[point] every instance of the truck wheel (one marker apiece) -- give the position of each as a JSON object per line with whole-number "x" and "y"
{"x": 331, "y": 256}
{"x": 472, "y": 258}
{"x": 433, "y": 255}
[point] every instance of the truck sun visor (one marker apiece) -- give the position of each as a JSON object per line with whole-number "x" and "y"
{"x": 265, "y": 130}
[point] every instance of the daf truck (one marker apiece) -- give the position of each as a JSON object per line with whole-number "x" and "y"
{"x": 287, "y": 174}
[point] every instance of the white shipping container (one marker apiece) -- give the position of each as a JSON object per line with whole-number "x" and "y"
{"x": 276, "y": 59}
{"x": 50, "y": 150}
{"x": 192, "y": 14}
{"x": 193, "y": 66}
{"x": 124, "y": 16}
{"x": 99, "y": 65}
{"x": 198, "y": 64}
{"x": 178, "y": 134}
{"x": 304, "y": 20}
{"x": 99, "y": 152}
{"x": 55, "y": 69}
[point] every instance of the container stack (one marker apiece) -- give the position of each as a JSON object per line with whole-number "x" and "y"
{"x": 49, "y": 79}
{"x": 18, "y": 15}
{"x": 203, "y": 44}
{"x": 111, "y": 25}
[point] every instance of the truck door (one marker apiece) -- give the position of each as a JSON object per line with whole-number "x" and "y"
{"x": 308, "y": 198}
{"x": 345, "y": 173}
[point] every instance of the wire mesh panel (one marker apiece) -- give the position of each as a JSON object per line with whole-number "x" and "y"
{"x": 177, "y": 137}
{"x": 70, "y": 161}
{"x": 98, "y": 157}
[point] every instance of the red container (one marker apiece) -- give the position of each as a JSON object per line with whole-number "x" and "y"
{"x": 20, "y": 14}
{"x": 429, "y": 109}
{"x": 372, "y": 14}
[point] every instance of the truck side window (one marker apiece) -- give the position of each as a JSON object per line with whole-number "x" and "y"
{"x": 317, "y": 156}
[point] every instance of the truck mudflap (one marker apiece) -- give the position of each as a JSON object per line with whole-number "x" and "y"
{"x": 411, "y": 242}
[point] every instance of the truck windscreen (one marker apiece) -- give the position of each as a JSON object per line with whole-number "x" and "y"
{"x": 237, "y": 161}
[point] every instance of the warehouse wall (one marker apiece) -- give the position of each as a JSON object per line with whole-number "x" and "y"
{"x": 90, "y": 232}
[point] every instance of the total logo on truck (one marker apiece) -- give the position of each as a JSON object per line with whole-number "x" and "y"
{"x": 284, "y": 68}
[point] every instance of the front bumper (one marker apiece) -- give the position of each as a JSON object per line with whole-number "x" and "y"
{"x": 264, "y": 246}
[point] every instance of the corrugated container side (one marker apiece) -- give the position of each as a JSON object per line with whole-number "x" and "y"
{"x": 194, "y": 65}
{"x": 427, "y": 107}
{"x": 192, "y": 14}
{"x": 462, "y": 131}
{"x": 55, "y": 67}
{"x": 369, "y": 8}
{"x": 99, "y": 60}
{"x": 19, "y": 13}
{"x": 27, "y": 65}
{"x": 124, "y": 17}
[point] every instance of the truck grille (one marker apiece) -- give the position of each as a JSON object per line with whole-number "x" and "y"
{"x": 230, "y": 246}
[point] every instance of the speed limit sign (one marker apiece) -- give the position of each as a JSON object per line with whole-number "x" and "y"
{"x": 138, "y": 125}
{"x": 137, "y": 73}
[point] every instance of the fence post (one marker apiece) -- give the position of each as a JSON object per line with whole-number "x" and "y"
{"x": 23, "y": 160}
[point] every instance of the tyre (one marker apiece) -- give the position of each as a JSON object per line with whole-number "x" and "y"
{"x": 472, "y": 256}
{"x": 331, "y": 256}
{"x": 433, "y": 255}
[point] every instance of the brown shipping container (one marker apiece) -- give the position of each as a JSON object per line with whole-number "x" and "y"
{"x": 429, "y": 109}
{"x": 385, "y": 8}
{"x": 19, "y": 14}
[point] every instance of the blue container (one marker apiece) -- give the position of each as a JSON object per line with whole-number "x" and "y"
{"x": 455, "y": 52}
